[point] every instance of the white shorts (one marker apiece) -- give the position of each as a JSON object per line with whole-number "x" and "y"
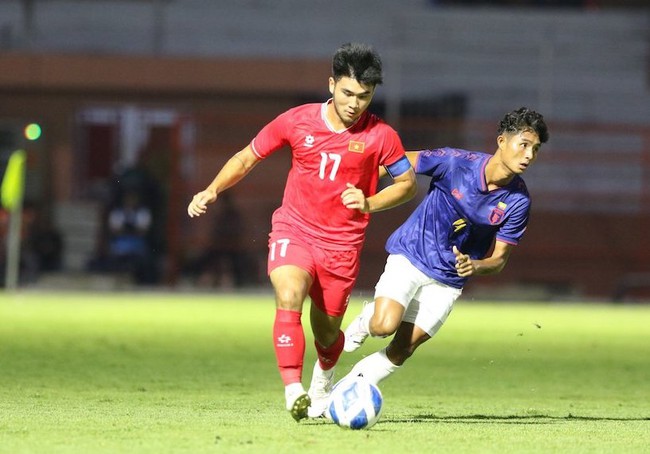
{"x": 427, "y": 301}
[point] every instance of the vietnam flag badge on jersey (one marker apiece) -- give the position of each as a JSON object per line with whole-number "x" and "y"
{"x": 356, "y": 147}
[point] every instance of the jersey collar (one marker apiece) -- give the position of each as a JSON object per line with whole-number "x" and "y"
{"x": 323, "y": 114}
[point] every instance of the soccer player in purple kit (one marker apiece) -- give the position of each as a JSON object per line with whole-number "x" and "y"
{"x": 476, "y": 202}
{"x": 317, "y": 233}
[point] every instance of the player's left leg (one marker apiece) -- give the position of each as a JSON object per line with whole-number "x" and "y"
{"x": 329, "y": 345}
{"x": 407, "y": 339}
{"x": 381, "y": 364}
{"x": 421, "y": 322}
{"x": 328, "y": 337}
{"x": 330, "y": 292}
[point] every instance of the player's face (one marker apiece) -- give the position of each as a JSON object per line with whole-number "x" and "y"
{"x": 519, "y": 150}
{"x": 349, "y": 99}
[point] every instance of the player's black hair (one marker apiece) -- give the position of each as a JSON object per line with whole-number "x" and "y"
{"x": 524, "y": 119}
{"x": 357, "y": 61}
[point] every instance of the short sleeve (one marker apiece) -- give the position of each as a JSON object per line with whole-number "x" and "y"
{"x": 273, "y": 136}
{"x": 514, "y": 228}
{"x": 392, "y": 150}
{"x": 433, "y": 163}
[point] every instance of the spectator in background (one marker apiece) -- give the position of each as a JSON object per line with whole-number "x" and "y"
{"x": 129, "y": 238}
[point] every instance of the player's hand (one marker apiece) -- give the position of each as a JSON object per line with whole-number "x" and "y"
{"x": 464, "y": 264}
{"x": 354, "y": 199}
{"x": 199, "y": 203}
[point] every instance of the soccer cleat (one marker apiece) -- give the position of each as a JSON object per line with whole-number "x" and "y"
{"x": 319, "y": 391}
{"x": 357, "y": 331}
{"x": 298, "y": 402}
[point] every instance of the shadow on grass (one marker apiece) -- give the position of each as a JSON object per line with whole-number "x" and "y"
{"x": 505, "y": 419}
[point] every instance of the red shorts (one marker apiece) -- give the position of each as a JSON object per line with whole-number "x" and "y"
{"x": 334, "y": 271}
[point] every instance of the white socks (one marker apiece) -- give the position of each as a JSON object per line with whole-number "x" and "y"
{"x": 375, "y": 367}
{"x": 293, "y": 390}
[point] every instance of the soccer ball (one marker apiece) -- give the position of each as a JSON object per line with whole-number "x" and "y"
{"x": 355, "y": 403}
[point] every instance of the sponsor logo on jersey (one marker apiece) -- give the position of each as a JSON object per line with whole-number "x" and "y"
{"x": 459, "y": 225}
{"x": 457, "y": 194}
{"x": 309, "y": 141}
{"x": 356, "y": 147}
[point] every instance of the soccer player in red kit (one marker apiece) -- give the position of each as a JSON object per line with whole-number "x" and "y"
{"x": 317, "y": 233}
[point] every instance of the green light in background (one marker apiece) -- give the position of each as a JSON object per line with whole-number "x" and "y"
{"x": 32, "y": 131}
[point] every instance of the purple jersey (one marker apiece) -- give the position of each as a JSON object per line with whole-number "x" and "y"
{"x": 459, "y": 211}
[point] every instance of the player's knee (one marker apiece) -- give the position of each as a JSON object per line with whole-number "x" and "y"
{"x": 383, "y": 326}
{"x": 326, "y": 336}
{"x": 288, "y": 298}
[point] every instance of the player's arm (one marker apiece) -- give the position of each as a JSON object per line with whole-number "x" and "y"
{"x": 412, "y": 156}
{"x": 236, "y": 168}
{"x": 466, "y": 266}
{"x": 402, "y": 190}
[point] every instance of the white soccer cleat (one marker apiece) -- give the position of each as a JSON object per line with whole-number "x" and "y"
{"x": 319, "y": 391}
{"x": 297, "y": 401}
{"x": 357, "y": 331}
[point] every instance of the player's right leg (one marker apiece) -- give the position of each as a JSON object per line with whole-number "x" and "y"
{"x": 297, "y": 401}
{"x": 289, "y": 344}
{"x": 288, "y": 264}
{"x": 393, "y": 293}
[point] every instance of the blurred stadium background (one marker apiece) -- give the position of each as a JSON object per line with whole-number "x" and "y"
{"x": 154, "y": 95}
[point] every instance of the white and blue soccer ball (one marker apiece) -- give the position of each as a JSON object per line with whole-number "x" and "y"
{"x": 355, "y": 403}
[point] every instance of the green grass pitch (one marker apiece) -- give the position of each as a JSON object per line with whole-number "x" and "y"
{"x": 195, "y": 373}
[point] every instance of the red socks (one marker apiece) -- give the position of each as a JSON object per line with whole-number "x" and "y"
{"x": 328, "y": 357}
{"x": 289, "y": 343}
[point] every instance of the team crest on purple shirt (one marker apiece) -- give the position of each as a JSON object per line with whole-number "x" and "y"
{"x": 497, "y": 213}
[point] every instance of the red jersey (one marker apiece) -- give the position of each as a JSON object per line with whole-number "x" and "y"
{"x": 323, "y": 161}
